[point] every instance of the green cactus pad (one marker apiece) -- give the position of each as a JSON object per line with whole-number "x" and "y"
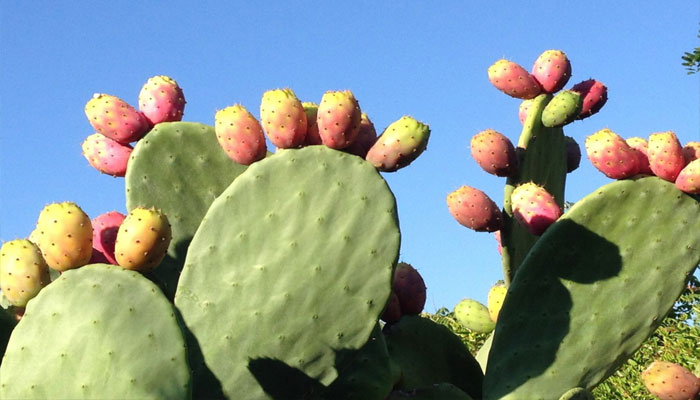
{"x": 593, "y": 288}
{"x": 97, "y": 332}
{"x": 292, "y": 262}
{"x": 440, "y": 391}
{"x": 178, "y": 168}
{"x": 429, "y": 353}
{"x": 482, "y": 356}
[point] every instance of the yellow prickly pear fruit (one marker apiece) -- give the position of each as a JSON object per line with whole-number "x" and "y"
{"x": 23, "y": 271}
{"x": 64, "y": 235}
{"x": 494, "y": 302}
{"x": 142, "y": 240}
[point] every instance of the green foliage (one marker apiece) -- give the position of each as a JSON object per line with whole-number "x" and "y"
{"x": 472, "y": 340}
{"x": 691, "y": 60}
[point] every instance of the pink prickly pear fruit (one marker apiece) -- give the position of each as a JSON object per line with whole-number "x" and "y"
{"x": 392, "y": 312}
{"x": 495, "y": 298}
{"x": 499, "y": 247}
{"x": 641, "y": 146}
{"x": 513, "y": 80}
{"x": 366, "y": 138}
{"x": 688, "y": 179}
{"x": 665, "y": 155}
{"x": 573, "y": 154}
{"x": 161, "y": 100}
{"x": 106, "y": 155}
{"x": 552, "y": 70}
{"x": 534, "y": 207}
{"x": 474, "y": 209}
{"x": 691, "y": 151}
{"x": 494, "y": 153}
{"x": 23, "y": 271}
{"x": 312, "y": 135}
{"x": 142, "y": 240}
{"x": 104, "y": 236}
{"x": 409, "y": 288}
{"x": 240, "y": 135}
{"x": 116, "y": 119}
{"x": 523, "y": 110}
{"x": 338, "y": 119}
{"x": 64, "y": 235}
{"x": 670, "y": 381}
{"x": 611, "y": 154}
{"x": 399, "y": 145}
{"x": 594, "y": 94}
{"x": 283, "y": 118}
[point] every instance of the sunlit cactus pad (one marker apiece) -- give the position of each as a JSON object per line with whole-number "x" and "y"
{"x": 97, "y": 332}
{"x": 293, "y": 262}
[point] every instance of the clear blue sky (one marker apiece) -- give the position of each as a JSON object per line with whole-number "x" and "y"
{"x": 425, "y": 59}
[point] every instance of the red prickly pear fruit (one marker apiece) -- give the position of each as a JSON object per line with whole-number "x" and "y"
{"x": 283, "y": 118}
{"x": 23, "y": 271}
{"x": 409, "y": 288}
{"x": 338, "y": 119}
{"x": 573, "y": 154}
{"x": 669, "y": 381}
{"x": 240, "y": 135}
{"x": 474, "y": 209}
{"x": 499, "y": 247}
{"x": 161, "y": 100}
{"x": 665, "y": 155}
{"x": 513, "y": 80}
{"x": 104, "y": 236}
{"x": 552, "y": 70}
{"x": 562, "y": 109}
{"x": 116, "y": 119}
{"x": 312, "y": 136}
{"x": 523, "y": 110}
{"x": 64, "y": 235}
{"x": 366, "y": 138}
{"x": 691, "y": 151}
{"x": 611, "y": 154}
{"x": 399, "y": 145}
{"x": 106, "y": 155}
{"x": 142, "y": 240}
{"x": 688, "y": 179}
{"x": 641, "y": 146}
{"x": 534, "y": 207}
{"x": 494, "y": 153}
{"x": 495, "y": 298}
{"x": 392, "y": 312}
{"x": 594, "y": 95}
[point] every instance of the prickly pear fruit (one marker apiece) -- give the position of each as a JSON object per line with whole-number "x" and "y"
{"x": 594, "y": 95}
{"x": 474, "y": 316}
{"x": 409, "y": 288}
{"x": 474, "y": 209}
{"x": 573, "y": 154}
{"x": 641, "y": 146}
{"x": 312, "y": 136}
{"x": 392, "y": 312}
{"x": 338, "y": 119}
{"x": 688, "y": 179}
{"x": 691, "y": 151}
{"x": 669, "y": 381}
{"x": 116, "y": 119}
{"x": 23, "y": 271}
{"x": 523, "y": 110}
{"x": 494, "y": 301}
{"x": 562, "y": 109}
{"x": 283, "y": 118}
{"x": 665, "y": 155}
{"x": 142, "y": 240}
{"x": 240, "y": 135}
{"x": 534, "y": 207}
{"x": 365, "y": 138}
{"x": 611, "y": 154}
{"x": 64, "y": 236}
{"x": 104, "y": 237}
{"x": 513, "y": 80}
{"x": 161, "y": 100}
{"x": 499, "y": 245}
{"x": 494, "y": 153}
{"x": 552, "y": 70}
{"x": 106, "y": 155}
{"x": 399, "y": 145}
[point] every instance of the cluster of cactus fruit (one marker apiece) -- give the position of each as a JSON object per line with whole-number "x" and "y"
{"x": 278, "y": 275}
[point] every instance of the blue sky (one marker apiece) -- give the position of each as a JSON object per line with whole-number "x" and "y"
{"x": 425, "y": 59}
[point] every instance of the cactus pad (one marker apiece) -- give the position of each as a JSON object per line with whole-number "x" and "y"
{"x": 293, "y": 262}
{"x": 97, "y": 332}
